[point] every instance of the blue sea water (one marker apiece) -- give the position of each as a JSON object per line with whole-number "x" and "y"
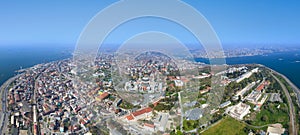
{"x": 14, "y": 57}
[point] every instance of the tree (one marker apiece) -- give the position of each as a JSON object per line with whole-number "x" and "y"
{"x": 265, "y": 118}
{"x": 151, "y": 105}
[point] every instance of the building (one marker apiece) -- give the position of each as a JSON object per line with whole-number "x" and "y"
{"x": 12, "y": 120}
{"x": 239, "y": 111}
{"x": 23, "y": 132}
{"x": 205, "y": 90}
{"x": 161, "y": 122}
{"x": 88, "y": 133}
{"x": 275, "y": 129}
{"x": 190, "y": 104}
{"x": 149, "y": 127}
{"x": 204, "y": 75}
{"x": 102, "y": 96}
{"x": 194, "y": 114}
{"x": 246, "y": 75}
{"x": 244, "y": 90}
{"x": 253, "y": 97}
{"x": 263, "y": 85}
{"x": 140, "y": 114}
{"x": 225, "y": 104}
{"x": 275, "y": 97}
{"x": 178, "y": 83}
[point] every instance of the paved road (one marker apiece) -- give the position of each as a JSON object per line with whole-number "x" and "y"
{"x": 35, "y": 106}
{"x": 182, "y": 113}
{"x": 294, "y": 87}
{"x": 291, "y": 107}
{"x": 4, "y": 114}
{"x": 257, "y": 126}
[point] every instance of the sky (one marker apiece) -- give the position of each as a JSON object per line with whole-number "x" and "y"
{"x": 236, "y": 22}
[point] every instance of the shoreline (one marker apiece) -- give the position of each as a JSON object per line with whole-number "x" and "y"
{"x": 3, "y": 95}
{"x": 20, "y": 71}
{"x": 295, "y": 89}
{"x": 4, "y": 90}
{"x": 261, "y": 65}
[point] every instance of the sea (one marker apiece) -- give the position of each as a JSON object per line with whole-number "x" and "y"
{"x": 287, "y": 63}
{"x": 13, "y": 58}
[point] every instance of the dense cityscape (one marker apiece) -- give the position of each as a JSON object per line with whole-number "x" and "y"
{"x": 152, "y": 95}
{"x": 150, "y": 67}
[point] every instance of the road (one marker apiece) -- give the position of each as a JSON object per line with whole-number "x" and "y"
{"x": 257, "y": 127}
{"x": 294, "y": 87}
{"x": 36, "y": 127}
{"x": 182, "y": 113}
{"x": 291, "y": 107}
{"x": 35, "y": 106}
{"x": 4, "y": 114}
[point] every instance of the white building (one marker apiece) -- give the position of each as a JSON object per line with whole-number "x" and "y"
{"x": 275, "y": 129}
{"x": 178, "y": 83}
{"x": 253, "y": 97}
{"x": 247, "y": 75}
{"x": 239, "y": 111}
{"x": 244, "y": 90}
{"x": 161, "y": 122}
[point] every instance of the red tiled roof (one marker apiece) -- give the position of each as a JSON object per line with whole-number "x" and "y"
{"x": 149, "y": 125}
{"x": 260, "y": 87}
{"x": 129, "y": 117}
{"x": 140, "y": 112}
{"x": 103, "y": 95}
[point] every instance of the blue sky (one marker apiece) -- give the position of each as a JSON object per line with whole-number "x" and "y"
{"x": 237, "y": 22}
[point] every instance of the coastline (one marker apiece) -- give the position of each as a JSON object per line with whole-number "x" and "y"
{"x": 288, "y": 67}
{"x": 5, "y": 86}
{"x": 296, "y": 90}
{"x": 292, "y": 113}
{"x": 3, "y": 95}
{"x": 294, "y": 87}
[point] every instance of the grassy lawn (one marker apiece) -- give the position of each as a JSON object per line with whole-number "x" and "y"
{"x": 228, "y": 126}
{"x": 271, "y": 115}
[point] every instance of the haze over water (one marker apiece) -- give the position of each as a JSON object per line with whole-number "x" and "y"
{"x": 13, "y": 58}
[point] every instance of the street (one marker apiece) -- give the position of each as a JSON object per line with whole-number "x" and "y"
{"x": 291, "y": 107}
{"x": 4, "y": 113}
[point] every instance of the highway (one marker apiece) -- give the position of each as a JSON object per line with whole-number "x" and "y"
{"x": 4, "y": 113}
{"x": 291, "y": 107}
